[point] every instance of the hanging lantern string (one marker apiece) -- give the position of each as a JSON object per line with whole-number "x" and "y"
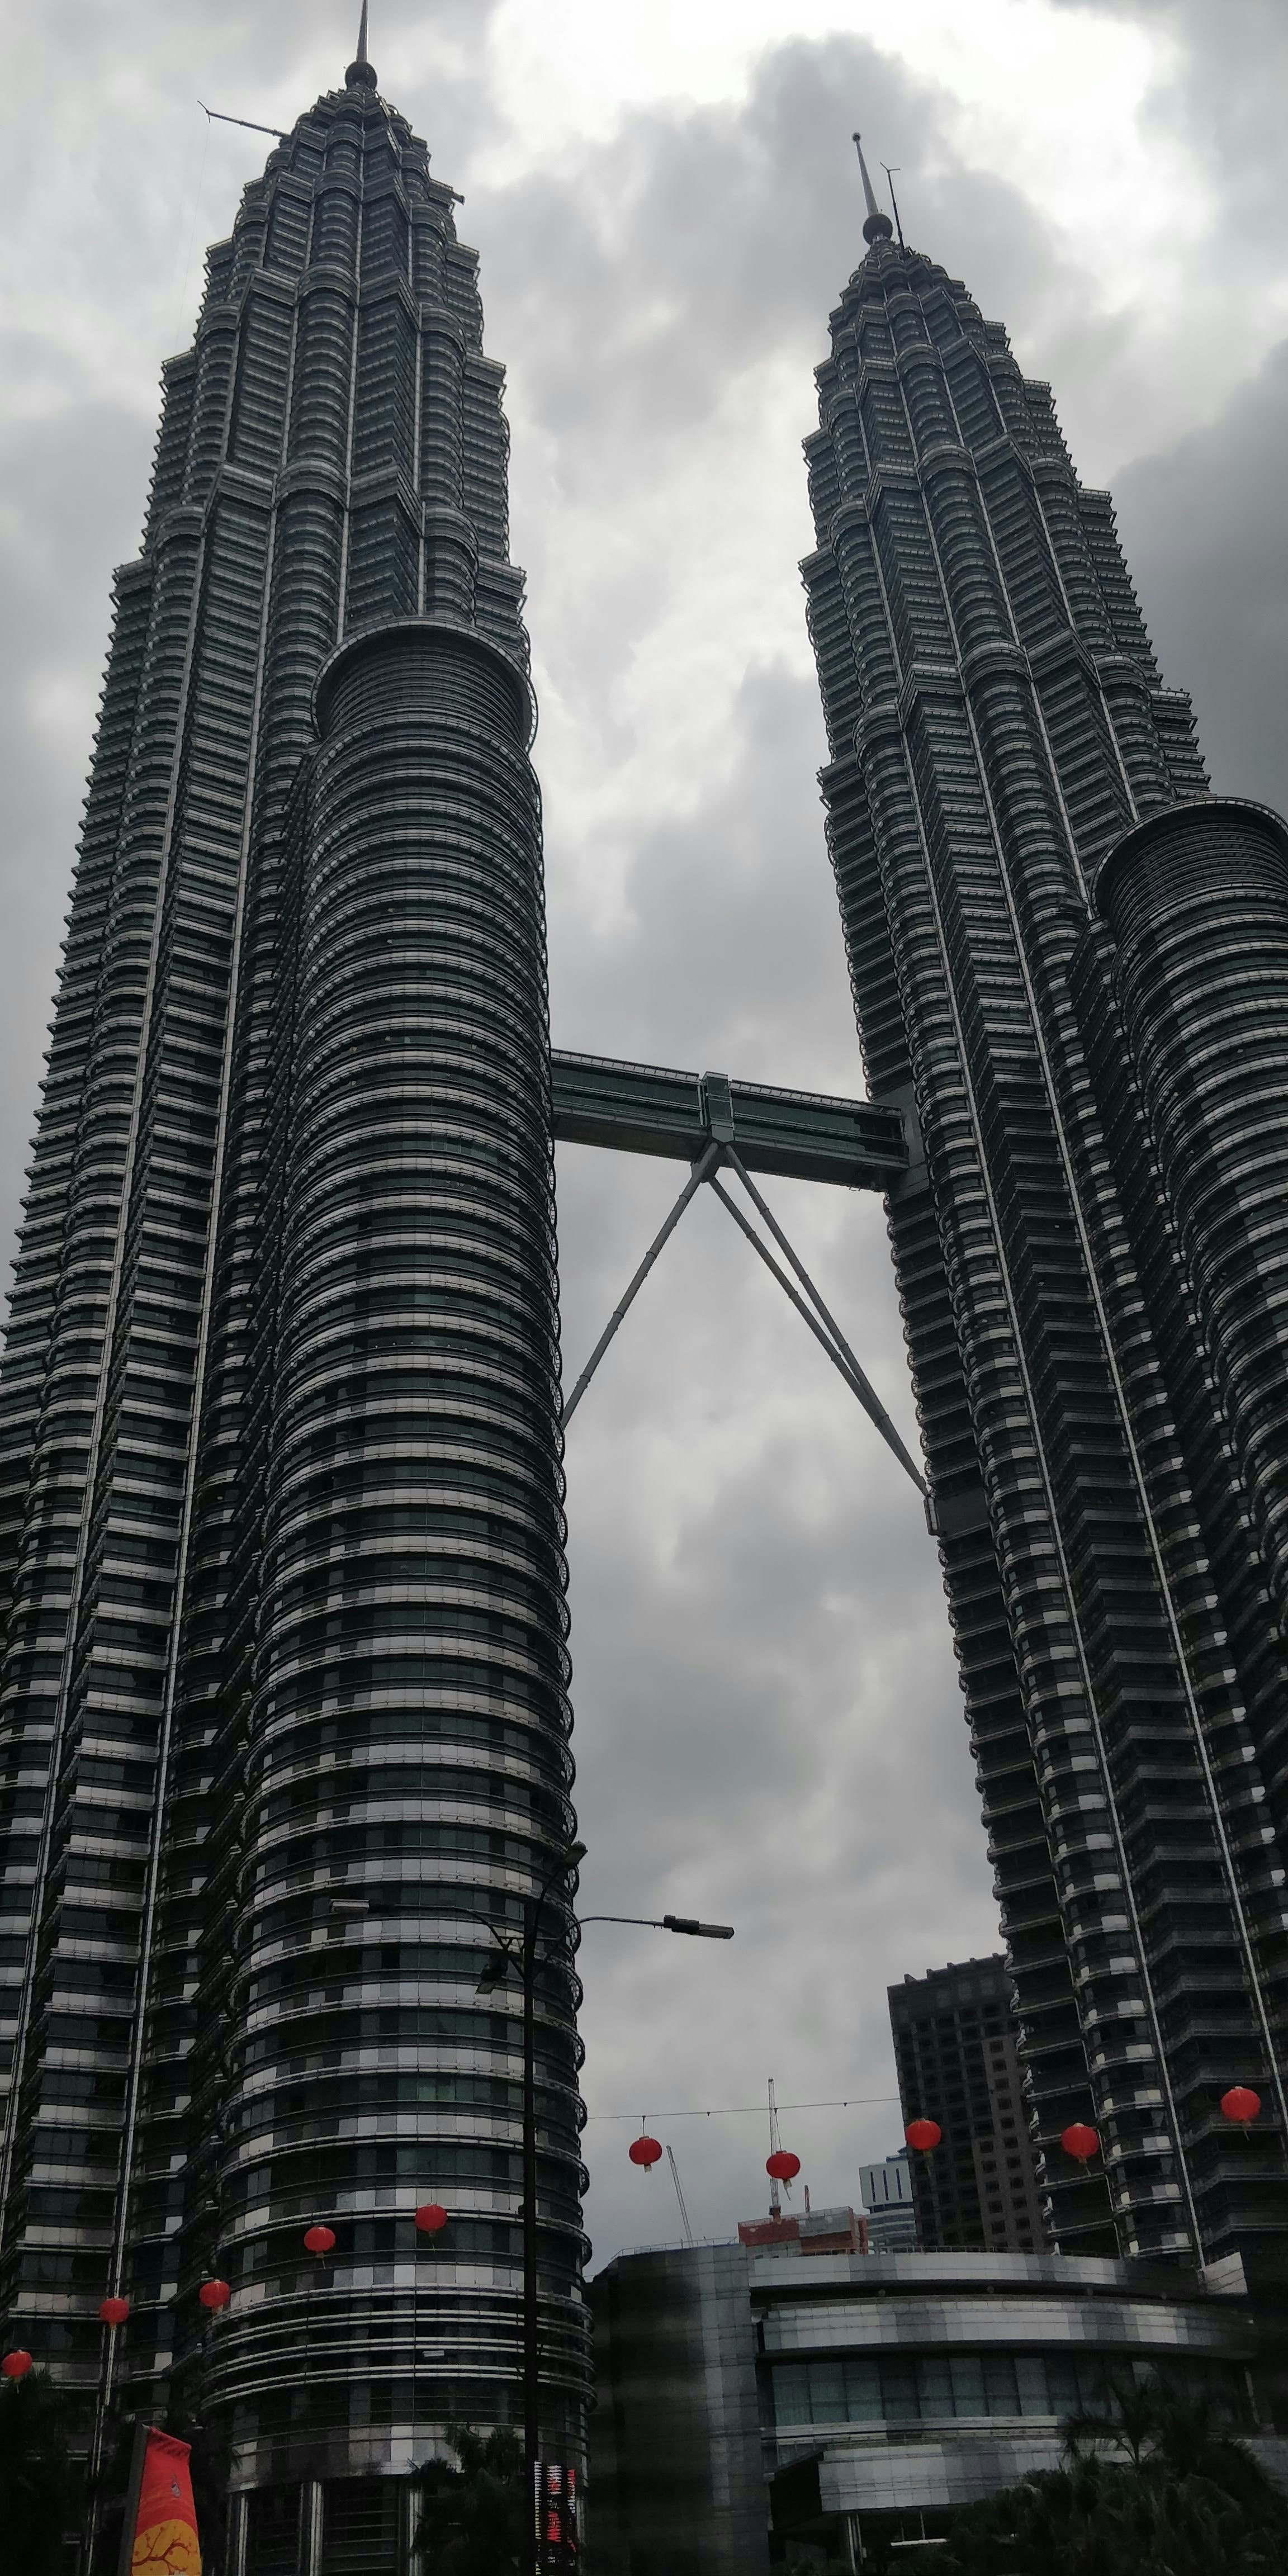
{"x": 741, "y": 2110}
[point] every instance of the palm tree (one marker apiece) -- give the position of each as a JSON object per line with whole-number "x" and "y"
{"x": 1186, "y": 2500}
{"x": 1132, "y": 2426}
{"x": 471, "y": 2519}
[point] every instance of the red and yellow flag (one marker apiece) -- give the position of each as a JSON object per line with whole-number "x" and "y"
{"x": 165, "y": 2526}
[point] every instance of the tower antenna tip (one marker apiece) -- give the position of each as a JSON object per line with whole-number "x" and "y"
{"x": 876, "y": 226}
{"x": 894, "y": 202}
{"x": 360, "y": 74}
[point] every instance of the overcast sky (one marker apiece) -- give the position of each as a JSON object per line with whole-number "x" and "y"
{"x": 665, "y": 199}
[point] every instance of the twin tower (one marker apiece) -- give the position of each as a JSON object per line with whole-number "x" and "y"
{"x": 284, "y": 1715}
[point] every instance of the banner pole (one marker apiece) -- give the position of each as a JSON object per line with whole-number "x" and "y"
{"x": 137, "y": 2458}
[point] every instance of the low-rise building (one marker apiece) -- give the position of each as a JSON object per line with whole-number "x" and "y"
{"x": 888, "y": 2205}
{"x": 755, "y": 2403}
{"x": 809, "y": 2231}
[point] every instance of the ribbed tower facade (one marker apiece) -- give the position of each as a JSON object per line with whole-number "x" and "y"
{"x": 1101, "y": 1410}
{"x": 283, "y": 1705}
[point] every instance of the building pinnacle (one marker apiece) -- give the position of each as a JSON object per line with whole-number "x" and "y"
{"x": 360, "y": 74}
{"x": 877, "y": 227}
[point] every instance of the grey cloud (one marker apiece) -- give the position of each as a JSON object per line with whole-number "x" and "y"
{"x": 762, "y": 1675}
{"x": 1219, "y": 89}
{"x": 147, "y": 42}
{"x": 695, "y": 243}
{"x": 762, "y": 1662}
{"x": 730, "y": 948}
{"x": 70, "y": 487}
{"x": 1205, "y": 524}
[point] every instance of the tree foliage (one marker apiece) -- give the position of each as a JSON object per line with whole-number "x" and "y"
{"x": 471, "y": 2516}
{"x": 35, "y": 2418}
{"x": 1181, "y": 2499}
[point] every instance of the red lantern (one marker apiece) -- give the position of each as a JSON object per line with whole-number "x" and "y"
{"x": 1241, "y": 2105}
{"x": 214, "y": 2294}
{"x": 783, "y": 2165}
{"x": 644, "y": 2151}
{"x": 319, "y": 2240}
{"x": 114, "y": 2311}
{"x": 923, "y": 2135}
{"x": 16, "y": 2365}
{"x": 430, "y": 2216}
{"x": 1080, "y": 2142}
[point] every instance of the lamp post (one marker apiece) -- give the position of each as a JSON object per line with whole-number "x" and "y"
{"x": 526, "y": 1958}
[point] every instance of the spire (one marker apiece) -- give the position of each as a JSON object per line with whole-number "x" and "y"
{"x": 877, "y": 227}
{"x": 360, "y": 74}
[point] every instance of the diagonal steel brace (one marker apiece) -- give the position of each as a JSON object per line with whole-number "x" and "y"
{"x": 853, "y": 1376}
{"x": 860, "y": 1383}
{"x": 701, "y": 1171}
{"x": 826, "y": 1332}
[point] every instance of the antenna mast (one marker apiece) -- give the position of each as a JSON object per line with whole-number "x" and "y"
{"x": 216, "y": 116}
{"x": 877, "y": 227}
{"x": 689, "y": 2237}
{"x": 894, "y": 202}
{"x": 775, "y": 2196}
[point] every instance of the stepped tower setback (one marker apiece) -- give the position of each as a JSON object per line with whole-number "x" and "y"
{"x": 997, "y": 728}
{"x": 284, "y": 1710}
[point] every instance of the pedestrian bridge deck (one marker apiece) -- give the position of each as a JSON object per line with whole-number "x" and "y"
{"x": 803, "y": 1135}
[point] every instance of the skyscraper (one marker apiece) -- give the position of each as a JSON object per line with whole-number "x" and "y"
{"x": 283, "y": 1699}
{"x": 955, "y": 2052}
{"x": 283, "y": 1704}
{"x": 1083, "y": 1246}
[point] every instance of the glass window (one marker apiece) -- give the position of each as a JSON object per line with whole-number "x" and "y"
{"x": 1091, "y": 2379}
{"x": 903, "y": 2388}
{"x": 936, "y": 2386}
{"x": 899, "y": 2388}
{"x": 999, "y": 2384}
{"x": 827, "y": 2392}
{"x": 791, "y": 2393}
{"x": 862, "y": 2389}
{"x": 968, "y": 2384}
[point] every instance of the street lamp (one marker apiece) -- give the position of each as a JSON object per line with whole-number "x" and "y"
{"x": 494, "y": 1974}
{"x": 668, "y": 1923}
{"x": 524, "y": 1956}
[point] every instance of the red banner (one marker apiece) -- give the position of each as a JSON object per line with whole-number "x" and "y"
{"x": 165, "y": 2526}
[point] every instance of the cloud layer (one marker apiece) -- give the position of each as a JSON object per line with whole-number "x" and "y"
{"x": 768, "y": 1718}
